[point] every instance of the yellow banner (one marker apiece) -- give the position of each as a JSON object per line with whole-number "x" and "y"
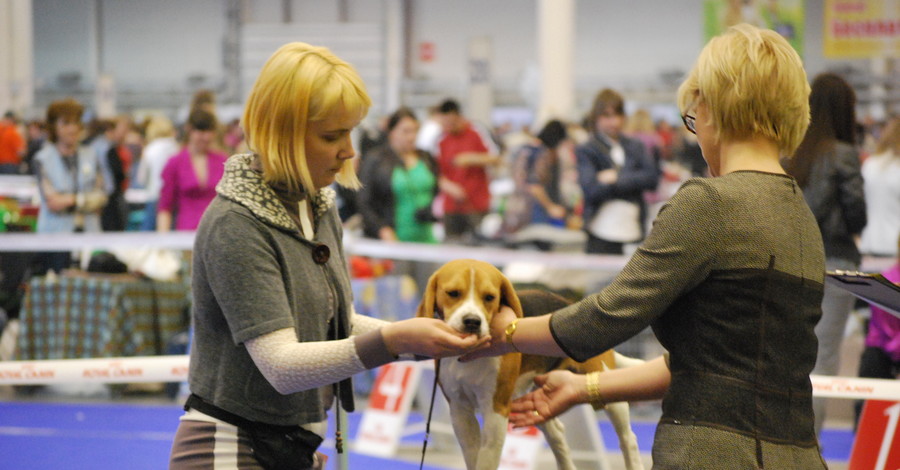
{"x": 784, "y": 16}
{"x": 861, "y": 28}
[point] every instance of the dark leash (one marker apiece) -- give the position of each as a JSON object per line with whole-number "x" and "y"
{"x": 437, "y": 369}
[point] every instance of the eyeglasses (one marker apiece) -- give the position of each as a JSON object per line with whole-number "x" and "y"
{"x": 690, "y": 122}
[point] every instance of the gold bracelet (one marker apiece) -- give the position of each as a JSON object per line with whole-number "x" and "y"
{"x": 510, "y": 330}
{"x": 592, "y": 380}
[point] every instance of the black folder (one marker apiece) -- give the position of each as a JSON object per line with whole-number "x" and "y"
{"x": 872, "y": 288}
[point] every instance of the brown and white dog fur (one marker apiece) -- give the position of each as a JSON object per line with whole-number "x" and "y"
{"x": 466, "y": 294}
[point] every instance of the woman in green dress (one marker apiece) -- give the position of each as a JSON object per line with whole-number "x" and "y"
{"x": 399, "y": 185}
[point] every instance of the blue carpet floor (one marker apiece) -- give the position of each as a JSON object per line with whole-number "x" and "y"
{"x": 44, "y": 436}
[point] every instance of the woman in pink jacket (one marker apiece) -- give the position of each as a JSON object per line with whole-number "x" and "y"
{"x": 189, "y": 178}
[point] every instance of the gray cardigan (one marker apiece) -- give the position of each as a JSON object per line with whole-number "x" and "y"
{"x": 254, "y": 273}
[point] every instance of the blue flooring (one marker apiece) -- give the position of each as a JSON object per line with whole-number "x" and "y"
{"x": 39, "y": 436}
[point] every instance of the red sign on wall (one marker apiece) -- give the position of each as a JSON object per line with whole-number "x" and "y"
{"x": 877, "y": 444}
{"x": 426, "y": 51}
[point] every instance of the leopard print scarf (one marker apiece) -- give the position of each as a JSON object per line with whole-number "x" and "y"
{"x": 244, "y": 185}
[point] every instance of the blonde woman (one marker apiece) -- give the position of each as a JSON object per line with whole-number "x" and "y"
{"x": 730, "y": 278}
{"x": 275, "y": 335}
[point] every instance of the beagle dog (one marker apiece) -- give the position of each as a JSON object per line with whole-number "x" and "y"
{"x": 466, "y": 293}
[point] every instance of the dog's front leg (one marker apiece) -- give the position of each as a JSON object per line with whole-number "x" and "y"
{"x": 555, "y": 434}
{"x": 465, "y": 426}
{"x": 493, "y": 436}
{"x": 621, "y": 420}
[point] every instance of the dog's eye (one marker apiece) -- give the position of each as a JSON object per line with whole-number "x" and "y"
{"x": 453, "y": 293}
{"x": 489, "y": 297}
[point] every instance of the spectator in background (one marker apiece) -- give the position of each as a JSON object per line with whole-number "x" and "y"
{"x": 399, "y": 185}
{"x": 134, "y": 142}
{"x": 881, "y": 356}
{"x": 189, "y": 178}
{"x": 70, "y": 180}
{"x": 12, "y": 145}
{"x": 37, "y": 135}
{"x": 234, "y": 137}
{"x": 97, "y": 130}
{"x": 536, "y": 173}
{"x": 640, "y": 126}
{"x": 668, "y": 136}
{"x": 430, "y": 132}
{"x": 614, "y": 170}
{"x": 373, "y": 137}
{"x": 827, "y": 168}
{"x": 205, "y": 100}
{"x": 118, "y": 159}
{"x": 464, "y": 153}
{"x": 688, "y": 154}
{"x": 161, "y": 146}
{"x": 881, "y": 174}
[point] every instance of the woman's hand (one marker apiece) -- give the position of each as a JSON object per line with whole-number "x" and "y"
{"x": 608, "y": 176}
{"x": 387, "y": 234}
{"x": 556, "y": 211}
{"x": 557, "y": 391}
{"x": 429, "y": 337}
{"x": 498, "y": 345}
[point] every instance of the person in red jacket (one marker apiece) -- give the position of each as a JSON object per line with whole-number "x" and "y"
{"x": 12, "y": 145}
{"x": 464, "y": 153}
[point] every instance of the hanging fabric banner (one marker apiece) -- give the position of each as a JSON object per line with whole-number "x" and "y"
{"x": 861, "y": 29}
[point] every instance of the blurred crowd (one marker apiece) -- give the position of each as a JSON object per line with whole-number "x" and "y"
{"x": 435, "y": 178}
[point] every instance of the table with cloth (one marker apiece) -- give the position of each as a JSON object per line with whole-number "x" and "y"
{"x": 100, "y": 315}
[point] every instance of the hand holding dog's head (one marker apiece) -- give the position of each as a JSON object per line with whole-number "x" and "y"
{"x": 466, "y": 294}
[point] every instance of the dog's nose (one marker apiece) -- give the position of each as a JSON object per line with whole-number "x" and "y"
{"x": 472, "y": 324}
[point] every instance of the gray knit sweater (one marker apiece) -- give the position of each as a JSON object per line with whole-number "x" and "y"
{"x": 730, "y": 278}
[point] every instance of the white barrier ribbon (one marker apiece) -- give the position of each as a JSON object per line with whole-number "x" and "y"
{"x": 856, "y": 388}
{"x": 175, "y": 369}
{"x": 107, "y": 370}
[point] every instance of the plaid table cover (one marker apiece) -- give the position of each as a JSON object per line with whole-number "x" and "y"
{"x": 99, "y": 316}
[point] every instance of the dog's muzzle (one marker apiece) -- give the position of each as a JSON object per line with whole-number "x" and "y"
{"x": 471, "y": 324}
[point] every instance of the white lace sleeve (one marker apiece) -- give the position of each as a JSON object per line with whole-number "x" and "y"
{"x": 364, "y": 324}
{"x": 291, "y": 366}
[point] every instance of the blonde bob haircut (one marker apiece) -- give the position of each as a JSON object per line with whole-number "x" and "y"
{"x": 299, "y": 84}
{"x": 753, "y": 84}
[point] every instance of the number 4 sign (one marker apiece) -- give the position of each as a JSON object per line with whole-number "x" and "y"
{"x": 877, "y": 444}
{"x": 389, "y": 403}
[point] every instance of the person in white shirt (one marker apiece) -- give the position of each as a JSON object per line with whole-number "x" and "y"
{"x": 881, "y": 175}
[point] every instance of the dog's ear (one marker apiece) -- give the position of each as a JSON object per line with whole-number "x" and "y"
{"x": 429, "y": 297}
{"x": 510, "y": 297}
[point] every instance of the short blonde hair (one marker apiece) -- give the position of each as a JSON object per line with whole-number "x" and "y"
{"x": 299, "y": 84}
{"x": 753, "y": 84}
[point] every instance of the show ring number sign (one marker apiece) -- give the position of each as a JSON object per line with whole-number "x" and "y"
{"x": 389, "y": 403}
{"x": 877, "y": 444}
